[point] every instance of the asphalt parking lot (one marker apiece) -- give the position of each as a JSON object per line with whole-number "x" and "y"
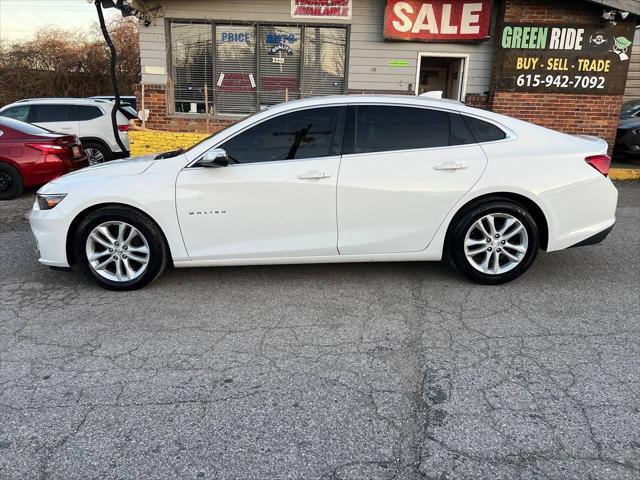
{"x": 365, "y": 371}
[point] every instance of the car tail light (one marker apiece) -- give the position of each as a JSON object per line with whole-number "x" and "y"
{"x": 123, "y": 128}
{"x": 47, "y": 148}
{"x": 600, "y": 163}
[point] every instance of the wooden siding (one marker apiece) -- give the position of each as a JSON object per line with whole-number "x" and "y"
{"x": 369, "y": 53}
{"x": 632, "y": 89}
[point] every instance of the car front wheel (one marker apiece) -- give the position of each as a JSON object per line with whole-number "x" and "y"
{"x": 494, "y": 243}
{"x": 120, "y": 248}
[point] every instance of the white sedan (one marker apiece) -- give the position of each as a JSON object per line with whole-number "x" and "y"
{"x": 336, "y": 179}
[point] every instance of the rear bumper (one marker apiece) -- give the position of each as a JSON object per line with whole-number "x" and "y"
{"x": 594, "y": 239}
{"x": 580, "y": 213}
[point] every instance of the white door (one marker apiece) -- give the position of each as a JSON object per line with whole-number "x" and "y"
{"x": 55, "y": 117}
{"x": 408, "y": 168}
{"x": 276, "y": 199}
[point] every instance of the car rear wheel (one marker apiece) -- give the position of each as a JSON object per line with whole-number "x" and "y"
{"x": 96, "y": 153}
{"x": 120, "y": 248}
{"x": 10, "y": 182}
{"x": 494, "y": 243}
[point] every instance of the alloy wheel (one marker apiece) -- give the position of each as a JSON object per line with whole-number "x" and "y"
{"x": 95, "y": 156}
{"x": 496, "y": 243}
{"x": 6, "y": 182}
{"x": 117, "y": 251}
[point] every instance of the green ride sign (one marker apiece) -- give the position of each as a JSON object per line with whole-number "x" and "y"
{"x": 590, "y": 59}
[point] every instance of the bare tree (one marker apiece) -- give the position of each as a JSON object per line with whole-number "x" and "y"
{"x": 61, "y": 63}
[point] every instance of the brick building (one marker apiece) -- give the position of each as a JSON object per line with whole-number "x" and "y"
{"x": 557, "y": 63}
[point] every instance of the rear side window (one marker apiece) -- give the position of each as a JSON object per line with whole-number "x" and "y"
{"x": 18, "y": 113}
{"x": 50, "y": 113}
{"x": 85, "y": 112}
{"x": 460, "y": 133}
{"x": 484, "y": 131}
{"x": 381, "y": 128}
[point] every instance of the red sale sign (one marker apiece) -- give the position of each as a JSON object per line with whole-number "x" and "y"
{"x": 437, "y": 20}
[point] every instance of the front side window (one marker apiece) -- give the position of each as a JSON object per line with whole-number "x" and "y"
{"x": 380, "y": 128}
{"x": 310, "y": 133}
{"x": 49, "y": 113}
{"x": 18, "y": 113}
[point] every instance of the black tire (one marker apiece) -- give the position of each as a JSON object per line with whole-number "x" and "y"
{"x": 10, "y": 182}
{"x": 456, "y": 240}
{"x": 95, "y": 150}
{"x": 158, "y": 251}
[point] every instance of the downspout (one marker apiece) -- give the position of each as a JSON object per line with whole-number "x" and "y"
{"x": 114, "y": 82}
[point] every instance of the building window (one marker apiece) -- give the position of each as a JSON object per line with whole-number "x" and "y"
{"x": 250, "y": 67}
{"x": 235, "y": 89}
{"x": 192, "y": 67}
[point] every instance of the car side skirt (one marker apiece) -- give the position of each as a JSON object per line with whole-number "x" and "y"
{"x": 386, "y": 257}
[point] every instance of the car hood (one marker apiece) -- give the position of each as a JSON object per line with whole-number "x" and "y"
{"x": 126, "y": 166}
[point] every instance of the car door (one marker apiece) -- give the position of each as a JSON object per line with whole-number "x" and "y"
{"x": 277, "y": 197}
{"x": 402, "y": 171}
{"x": 56, "y": 117}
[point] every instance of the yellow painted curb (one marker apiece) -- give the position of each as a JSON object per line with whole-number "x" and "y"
{"x": 624, "y": 174}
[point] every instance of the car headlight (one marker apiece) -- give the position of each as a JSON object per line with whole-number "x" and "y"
{"x": 49, "y": 201}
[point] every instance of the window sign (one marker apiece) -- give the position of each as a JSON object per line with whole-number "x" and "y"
{"x": 242, "y": 37}
{"x": 589, "y": 59}
{"x": 336, "y": 9}
{"x": 279, "y": 64}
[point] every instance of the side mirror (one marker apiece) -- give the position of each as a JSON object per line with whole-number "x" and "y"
{"x": 214, "y": 158}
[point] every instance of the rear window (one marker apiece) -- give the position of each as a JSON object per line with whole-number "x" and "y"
{"x": 19, "y": 113}
{"x": 23, "y": 127}
{"x": 85, "y": 112}
{"x": 50, "y": 113}
{"x": 484, "y": 131}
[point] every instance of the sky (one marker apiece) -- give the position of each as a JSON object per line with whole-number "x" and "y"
{"x": 20, "y": 19}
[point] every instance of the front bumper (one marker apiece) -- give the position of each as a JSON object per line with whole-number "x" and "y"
{"x": 49, "y": 228}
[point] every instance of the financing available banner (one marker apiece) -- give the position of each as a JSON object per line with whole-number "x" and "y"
{"x": 329, "y": 9}
{"x": 589, "y": 59}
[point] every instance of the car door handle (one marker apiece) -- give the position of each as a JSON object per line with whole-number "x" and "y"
{"x": 451, "y": 166}
{"x": 313, "y": 175}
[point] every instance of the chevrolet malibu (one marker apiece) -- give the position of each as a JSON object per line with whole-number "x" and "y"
{"x": 336, "y": 179}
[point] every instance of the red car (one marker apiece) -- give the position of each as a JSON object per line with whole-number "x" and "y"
{"x": 31, "y": 155}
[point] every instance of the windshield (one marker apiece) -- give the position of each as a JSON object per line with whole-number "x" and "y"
{"x": 221, "y": 130}
{"x": 630, "y": 109}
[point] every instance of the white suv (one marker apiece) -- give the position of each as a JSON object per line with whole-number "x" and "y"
{"x": 89, "y": 119}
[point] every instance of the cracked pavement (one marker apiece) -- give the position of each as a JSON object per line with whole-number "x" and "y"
{"x": 365, "y": 371}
